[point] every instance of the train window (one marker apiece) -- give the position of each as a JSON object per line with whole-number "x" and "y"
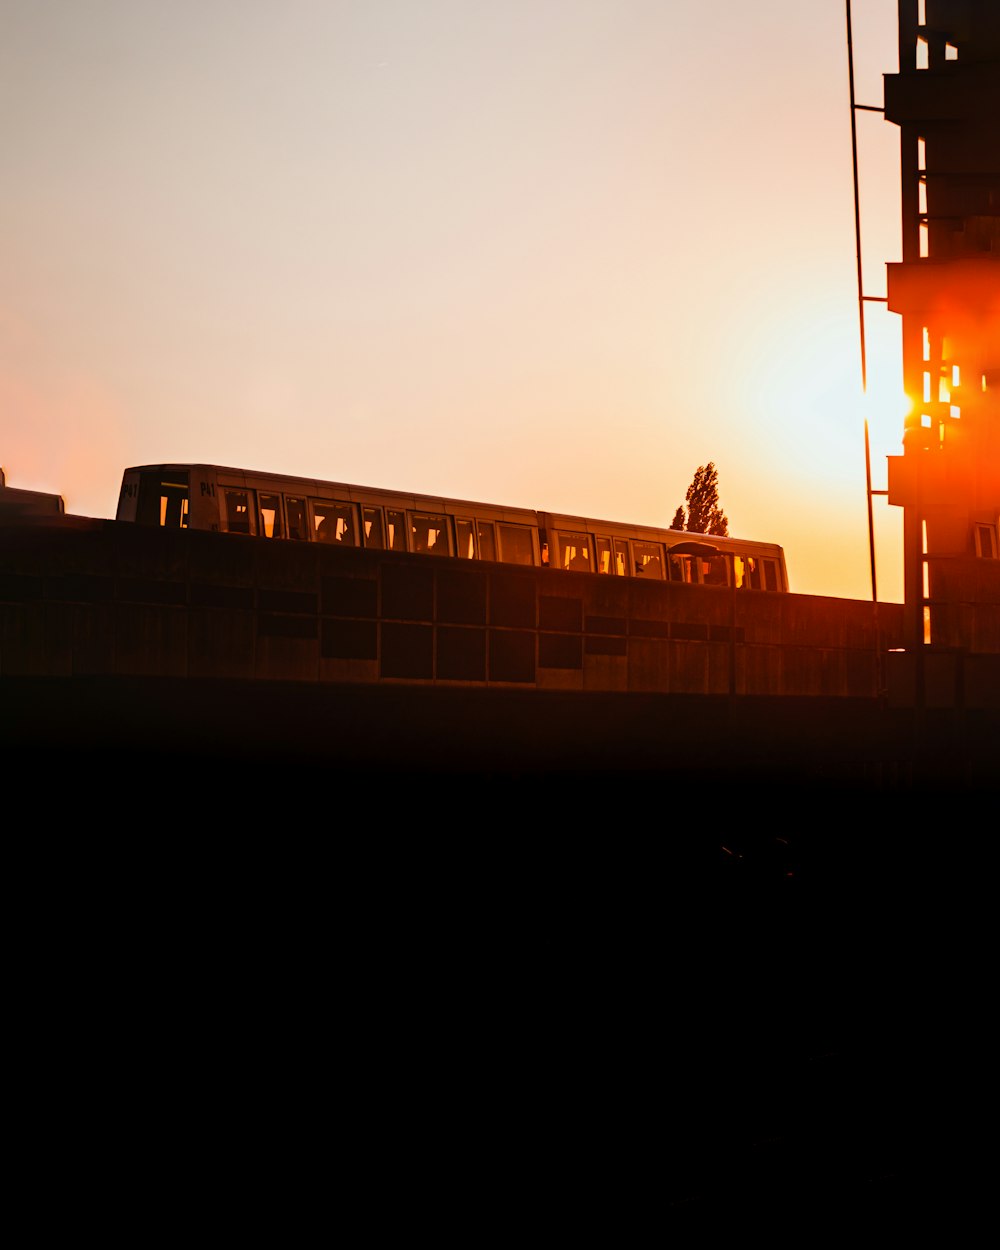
{"x": 749, "y": 574}
{"x": 986, "y": 541}
{"x": 163, "y": 501}
{"x": 372, "y": 520}
{"x": 772, "y": 574}
{"x": 430, "y": 534}
{"x": 334, "y": 523}
{"x": 397, "y": 530}
{"x": 574, "y": 552}
{"x": 487, "y": 541}
{"x": 270, "y": 515}
{"x": 465, "y": 539}
{"x": 515, "y": 544}
{"x": 621, "y": 557}
{"x": 682, "y": 569}
{"x": 605, "y": 561}
{"x": 238, "y": 512}
{"x": 297, "y": 524}
{"x": 715, "y": 571}
{"x": 648, "y": 558}
{"x": 173, "y": 507}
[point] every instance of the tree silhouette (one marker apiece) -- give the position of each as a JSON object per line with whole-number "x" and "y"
{"x": 704, "y": 516}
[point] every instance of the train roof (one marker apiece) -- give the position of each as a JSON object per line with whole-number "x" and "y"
{"x": 303, "y": 483}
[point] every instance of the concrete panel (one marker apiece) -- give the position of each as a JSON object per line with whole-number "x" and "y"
{"x": 719, "y": 664}
{"x": 560, "y": 651}
{"x": 982, "y": 688}
{"x": 689, "y": 668}
{"x": 154, "y": 554}
{"x": 461, "y": 596}
{"x": 70, "y": 543}
{"x": 72, "y": 586}
{"x": 365, "y": 671}
{"x": 941, "y": 679}
{"x": 150, "y": 641}
{"x": 58, "y": 643}
{"x": 985, "y": 630}
{"x": 227, "y": 559}
{"x": 286, "y": 659}
{"x": 562, "y": 613}
{"x": 289, "y": 565}
{"x": 901, "y": 678}
{"x": 560, "y": 679}
{"x": 803, "y": 621}
{"x": 93, "y": 639}
{"x": 460, "y": 653}
{"x": 608, "y": 596}
{"x": 861, "y": 675}
{"x": 349, "y": 597}
{"x": 636, "y": 598}
{"x": 605, "y": 672}
{"x": 348, "y": 639}
{"x": 407, "y": 592}
{"x": 22, "y": 639}
{"x": 649, "y": 664}
{"x": 760, "y": 616}
{"x": 221, "y": 643}
{"x": 759, "y": 670}
{"x": 512, "y": 599}
{"x": 354, "y": 561}
{"x": 512, "y": 656}
{"x": 812, "y": 671}
{"x": 407, "y": 651}
{"x": 702, "y": 604}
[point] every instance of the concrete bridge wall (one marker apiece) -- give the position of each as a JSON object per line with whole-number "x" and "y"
{"x": 91, "y": 598}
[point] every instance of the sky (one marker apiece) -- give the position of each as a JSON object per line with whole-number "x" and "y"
{"x": 544, "y": 253}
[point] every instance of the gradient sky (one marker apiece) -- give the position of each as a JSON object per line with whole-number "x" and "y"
{"x": 549, "y": 253}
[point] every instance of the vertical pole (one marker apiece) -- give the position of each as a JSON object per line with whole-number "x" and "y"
{"x": 857, "y": 201}
{"x": 861, "y": 335}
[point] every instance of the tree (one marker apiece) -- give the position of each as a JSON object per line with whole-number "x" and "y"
{"x": 704, "y": 516}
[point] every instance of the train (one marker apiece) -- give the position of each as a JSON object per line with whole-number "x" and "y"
{"x": 280, "y": 508}
{"x": 16, "y": 503}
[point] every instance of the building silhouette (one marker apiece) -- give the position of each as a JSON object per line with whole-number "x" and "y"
{"x": 946, "y": 102}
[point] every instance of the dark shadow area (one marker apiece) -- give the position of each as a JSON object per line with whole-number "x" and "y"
{"x": 737, "y": 982}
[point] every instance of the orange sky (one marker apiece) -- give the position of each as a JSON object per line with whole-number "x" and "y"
{"x": 554, "y": 253}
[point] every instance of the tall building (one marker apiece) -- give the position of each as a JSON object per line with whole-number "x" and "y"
{"x": 946, "y": 101}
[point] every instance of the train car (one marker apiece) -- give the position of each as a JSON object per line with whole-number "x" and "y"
{"x": 276, "y": 507}
{"x": 16, "y": 504}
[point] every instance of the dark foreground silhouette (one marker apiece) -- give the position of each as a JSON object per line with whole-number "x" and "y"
{"x": 730, "y": 987}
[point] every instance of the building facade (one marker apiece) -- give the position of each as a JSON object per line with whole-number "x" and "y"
{"x": 946, "y": 102}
